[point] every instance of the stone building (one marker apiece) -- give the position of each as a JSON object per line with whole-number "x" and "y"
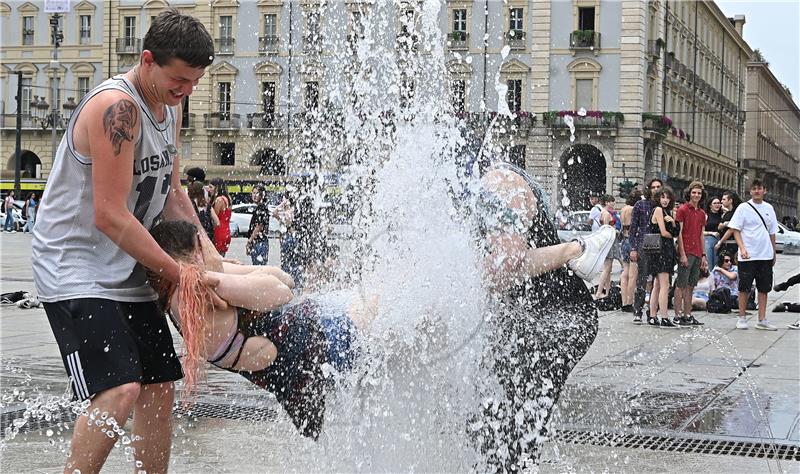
{"x": 653, "y": 87}
{"x": 772, "y": 135}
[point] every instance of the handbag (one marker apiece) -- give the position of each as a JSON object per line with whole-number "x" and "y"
{"x": 651, "y": 244}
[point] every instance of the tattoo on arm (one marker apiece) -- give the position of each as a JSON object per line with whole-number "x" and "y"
{"x": 119, "y": 120}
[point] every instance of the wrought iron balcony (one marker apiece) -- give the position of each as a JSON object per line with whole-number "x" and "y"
{"x": 312, "y": 44}
{"x": 225, "y": 46}
{"x": 222, "y": 121}
{"x": 458, "y": 40}
{"x": 516, "y": 39}
{"x": 584, "y": 39}
{"x": 128, "y": 45}
{"x": 264, "y": 121}
{"x": 592, "y": 119}
{"x": 654, "y": 48}
{"x": 407, "y": 41}
{"x": 268, "y": 44}
{"x": 85, "y": 36}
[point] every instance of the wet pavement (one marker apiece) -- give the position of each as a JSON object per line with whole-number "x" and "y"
{"x": 712, "y": 383}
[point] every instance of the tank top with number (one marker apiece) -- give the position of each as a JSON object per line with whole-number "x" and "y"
{"x": 71, "y": 258}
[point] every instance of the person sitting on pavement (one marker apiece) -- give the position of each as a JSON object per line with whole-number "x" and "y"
{"x": 792, "y": 307}
{"x": 704, "y": 287}
{"x": 726, "y": 275}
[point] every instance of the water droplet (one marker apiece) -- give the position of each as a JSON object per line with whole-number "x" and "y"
{"x": 49, "y": 433}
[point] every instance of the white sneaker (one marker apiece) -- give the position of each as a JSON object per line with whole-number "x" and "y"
{"x": 741, "y": 323}
{"x": 795, "y": 325}
{"x": 596, "y": 247}
{"x": 765, "y": 326}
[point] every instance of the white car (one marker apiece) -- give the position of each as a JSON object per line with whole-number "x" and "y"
{"x": 785, "y": 237}
{"x": 241, "y": 215}
{"x": 577, "y": 226}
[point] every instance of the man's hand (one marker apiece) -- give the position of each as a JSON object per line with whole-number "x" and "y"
{"x": 211, "y": 258}
{"x": 634, "y": 256}
{"x": 744, "y": 254}
{"x": 718, "y": 245}
{"x": 684, "y": 260}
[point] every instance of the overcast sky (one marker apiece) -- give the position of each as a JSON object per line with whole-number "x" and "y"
{"x": 772, "y": 26}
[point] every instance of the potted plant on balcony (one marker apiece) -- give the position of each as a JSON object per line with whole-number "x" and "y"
{"x": 516, "y": 35}
{"x": 457, "y": 36}
{"x": 583, "y": 38}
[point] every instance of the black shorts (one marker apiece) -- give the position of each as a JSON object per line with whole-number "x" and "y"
{"x": 107, "y": 343}
{"x": 758, "y": 270}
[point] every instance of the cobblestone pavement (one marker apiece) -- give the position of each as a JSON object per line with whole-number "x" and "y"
{"x": 714, "y": 386}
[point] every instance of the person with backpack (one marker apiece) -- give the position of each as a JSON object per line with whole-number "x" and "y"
{"x": 755, "y": 225}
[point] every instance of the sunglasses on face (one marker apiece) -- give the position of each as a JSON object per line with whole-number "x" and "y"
{"x": 727, "y": 260}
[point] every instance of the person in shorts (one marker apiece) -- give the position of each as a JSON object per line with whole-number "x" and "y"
{"x": 755, "y": 225}
{"x": 691, "y": 253}
{"x": 89, "y": 257}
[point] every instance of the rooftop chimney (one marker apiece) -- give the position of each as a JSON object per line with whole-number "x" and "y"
{"x": 738, "y": 24}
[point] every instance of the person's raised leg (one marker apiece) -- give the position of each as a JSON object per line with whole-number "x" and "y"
{"x": 152, "y": 426}
{"x": 90, "y": 443}
{"x": 546, "y": 259}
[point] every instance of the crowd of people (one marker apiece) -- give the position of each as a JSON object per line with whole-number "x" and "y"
{"x": 27, "y": 212}
{"x": 693, "y": 252}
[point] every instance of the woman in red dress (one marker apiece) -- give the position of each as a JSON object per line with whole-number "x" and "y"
{"x": 222, "y": 206}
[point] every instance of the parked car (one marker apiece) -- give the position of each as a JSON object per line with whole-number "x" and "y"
{"x": 786, "y": 236}
{"x": 577, "y": 226}
{"x": 241, "y": 215}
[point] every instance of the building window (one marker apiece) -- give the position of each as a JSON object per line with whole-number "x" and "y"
{"x": 312, "y": 27}
{"x": 586, "y": 18}
{"x": 85, "y": 29}
{"x": 225, "y": 154}
{"x": 357, "y": 24}
{"x": 311, "y": 97}
{"x": 584, "y": 93}
{"x": 226, "y": 27}
{"x": 83, "y": 87}
{"x": 460, "y": 20}
{"x": 406, "y": 92}
{"x": 514, "y": 95}
{"x": 268, "y": 98}
{"x": 27, "y": 95}
{"x": 516, "y": 156}
{"x": 185, "y": 118}
{"x": 270, "y": 25}
{"x": 224, "y": 89}
{"x": 27, "y": 31}
{"x": 515, "y": 22}
{"x": 55, "y": 105}
{"x": 130, "y": 31}
{"x": 458, "y": 95}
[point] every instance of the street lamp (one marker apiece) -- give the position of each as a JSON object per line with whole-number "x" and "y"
{"x": 41, "y": 116}
{"x": 69, "y": 106}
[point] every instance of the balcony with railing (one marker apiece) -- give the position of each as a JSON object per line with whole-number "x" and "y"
{"x": 268, "y": 44}
{"x": 222, "y": 121}
{"x": 583, "y": 119}
{"x": 458, "y": 40}
{"x": 265, "y": 121}
{"x": 129, "y": 45}
{"x": 516, "y": 39}
{"x": 225, "y": 46}
{"x": 189, "y": 122}
{"x": 29, "y": 122}
{"x": 407, "y": 41}
{"x": 654, "y": 48}
{"x": 312, "y": 44}
{"x": 85, "y": 36}
{"x": 584, "y": 39}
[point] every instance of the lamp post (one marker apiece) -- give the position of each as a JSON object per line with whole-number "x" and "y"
{"x": 56, "y": 36}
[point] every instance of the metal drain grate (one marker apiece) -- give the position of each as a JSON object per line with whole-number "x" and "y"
{"x": 724, "y": 447}
{"x": 671, "y": 443}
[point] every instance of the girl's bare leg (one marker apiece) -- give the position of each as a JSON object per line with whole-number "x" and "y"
{"x": 654, "y": 299}
{"x": 630, "y": 288}
{"x": 663, "y": 294}
{"x": 546, "y": 259}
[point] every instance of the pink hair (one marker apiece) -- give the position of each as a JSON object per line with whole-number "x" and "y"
{"x": 195, "y": 305}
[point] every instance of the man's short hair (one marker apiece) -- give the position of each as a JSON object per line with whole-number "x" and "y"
{"x": 606, "y": 198}
{"x": 757, "y": 182}
{"x": 175, "y": 35}
{"x": 196, "y": 174}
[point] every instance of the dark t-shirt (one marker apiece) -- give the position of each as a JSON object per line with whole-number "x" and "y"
{"x": 260, "y": 216}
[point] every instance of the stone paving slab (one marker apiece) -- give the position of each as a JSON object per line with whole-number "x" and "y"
{"x": 687, "y": 381}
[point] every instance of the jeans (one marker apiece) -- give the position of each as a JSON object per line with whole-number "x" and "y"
{"x": 31, "y": 220}
{"x": 641, "y": 284}
{"x": 711, "y": 254}
{"x": 259, "y": 252}
{"x": 9, "y": 224}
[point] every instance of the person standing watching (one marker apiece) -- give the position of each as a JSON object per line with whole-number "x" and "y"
{"x": 594, "y": 214}
{"x": 195, "y": 174}
{"x": 730, "y": 202}
{"x": 8, "y": 208}
{"x": 691, "y": 257}
{"x": 30, "y": 210}
{"x": 89, "y": 257}
{"x": 629, "y": 272}
{"x": 258, "y": 244}
{"x": 754, "y": 227}
{"x": 711, "y": 233}
{"x": 640, "y": 225}
{"x": 221, "y": 203}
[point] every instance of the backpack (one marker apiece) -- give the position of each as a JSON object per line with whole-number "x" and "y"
{"x": 719, "y": 301}
{"x": 612, "y": 301}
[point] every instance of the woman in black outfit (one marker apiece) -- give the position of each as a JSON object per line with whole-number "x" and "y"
{"x": 662, "y": 264}
{"x": 730, "y": 201}
{"x": 711, "y": 233}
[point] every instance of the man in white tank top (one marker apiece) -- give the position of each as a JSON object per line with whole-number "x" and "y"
{"x": 115, "y": 171}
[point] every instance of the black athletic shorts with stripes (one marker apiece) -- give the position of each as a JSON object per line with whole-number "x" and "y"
{"x": 107, "y": 343}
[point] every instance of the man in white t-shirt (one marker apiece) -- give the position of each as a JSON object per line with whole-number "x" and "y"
{"x": 754, "y": 226}
{"x": 594, "y": 214}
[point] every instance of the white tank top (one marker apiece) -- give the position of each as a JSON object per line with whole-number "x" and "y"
{"x": 71, "y": 258}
